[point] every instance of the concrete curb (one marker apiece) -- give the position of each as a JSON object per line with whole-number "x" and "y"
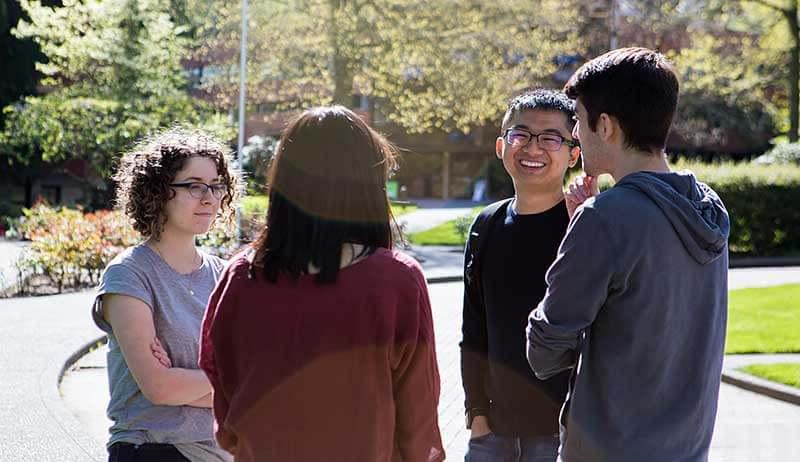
{"x": 752, "y": 383}
{"x": 760, "y": 262}
{"x": 446, "y": 278}
{"x": 49, "y": 390}
{"x": 731, "y": 375}
{"x": 80, "y": 353}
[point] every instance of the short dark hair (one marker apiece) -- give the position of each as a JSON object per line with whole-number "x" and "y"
{"x": 543, "y": 99}
{"x": 637, "y": 86}
{"x": 146, "y": 171}
{"x": 327, "y": 187}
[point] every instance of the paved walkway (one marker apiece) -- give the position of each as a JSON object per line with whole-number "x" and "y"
{"x": 432, "y": 214}
{"x": 9, "y": 253}
{"x": 37, "y": 335}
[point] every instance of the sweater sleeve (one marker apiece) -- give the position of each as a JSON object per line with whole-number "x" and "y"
{"x": 220, "y": 301}
{"x": 416, "y": 383}
{"x": 578, "y": 283}
{"x": 474, "y": 341}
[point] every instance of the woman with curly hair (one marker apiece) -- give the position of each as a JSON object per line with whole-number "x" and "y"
{"x": 152, "y": 297}
{"x": 318, "y": 340}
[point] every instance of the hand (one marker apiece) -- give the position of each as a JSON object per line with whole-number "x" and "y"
{"x": 160, "y": 353}
{"x": 480, "y": 426}
{"x": 206, "y": 401}
{"x": 581, "y": 188}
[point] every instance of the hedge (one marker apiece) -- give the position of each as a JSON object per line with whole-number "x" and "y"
{"x": 763, "y": 202}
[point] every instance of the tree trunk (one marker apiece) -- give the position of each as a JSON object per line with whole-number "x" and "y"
{"x": 794, "y": 71}
{"x": 339, "y": 66}
{"x": 28, "y": 191}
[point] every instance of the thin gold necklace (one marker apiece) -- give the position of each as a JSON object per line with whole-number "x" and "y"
{"x": 197, "y": 265}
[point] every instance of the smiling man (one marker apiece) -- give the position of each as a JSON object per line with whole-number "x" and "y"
{"x": 513, "y": 415}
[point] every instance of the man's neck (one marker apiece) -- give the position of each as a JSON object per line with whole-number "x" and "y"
{"x": 632, "y": 161}
{"x": 530, "y": 202}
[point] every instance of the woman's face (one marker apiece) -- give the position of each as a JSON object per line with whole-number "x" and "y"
{"x": 195, "y": 206}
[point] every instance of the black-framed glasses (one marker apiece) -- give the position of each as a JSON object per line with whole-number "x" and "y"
{"x": 198, "y": 189}
{"x": 518, "y": 137}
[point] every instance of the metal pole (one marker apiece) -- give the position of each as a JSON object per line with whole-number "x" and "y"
{"x": 613, "y": 40}
{"x": 242, "y": 99}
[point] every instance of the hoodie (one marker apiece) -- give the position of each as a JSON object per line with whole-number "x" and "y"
{"x": 636, "y": 307}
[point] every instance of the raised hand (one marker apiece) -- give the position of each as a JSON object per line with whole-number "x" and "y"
{"x": 580, "y": 189}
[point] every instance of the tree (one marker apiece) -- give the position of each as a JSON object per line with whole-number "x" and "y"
{"x": 778, "y": 60}
{"x": 63, "y": 125}
{"x": 430, "y": 65}
{"x": 119, "y": 48}
{"x": 788, "y": 10}
{"x": 729, "y": 60}
{"x": 114, "y": 72}
{"x": 19, "y": 77}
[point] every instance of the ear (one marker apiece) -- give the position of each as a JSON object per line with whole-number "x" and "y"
{"x": 574, "y": 155}
{"x": 498, "y": 147}
{"x": 606, "y": 127}
{"x": 609, "y": 129}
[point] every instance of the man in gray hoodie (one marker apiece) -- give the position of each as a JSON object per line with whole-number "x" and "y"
{"x": 636, "y": 303}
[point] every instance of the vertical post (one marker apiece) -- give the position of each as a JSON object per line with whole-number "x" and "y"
{"x": 445, "y": 175}
{"x": 242, "y": 99}
{"x": 794, "y": 70}
{"x": 613, "y": 40}
{"x": 487, "y": 166}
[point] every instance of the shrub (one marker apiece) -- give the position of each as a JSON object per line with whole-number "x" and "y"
{"x": 462, "y": 225}
{"x": 69, "y": 248}
{"x": 787, "y": 153}
{"x": 762, "y": 201}
{"x": 221, "y": 241}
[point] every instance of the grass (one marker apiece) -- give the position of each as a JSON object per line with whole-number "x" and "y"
{"x": 764, "y": 320}
{"x": 256, "y": 205}
{"x": 402, "y": 209}
{"x": 447, "y": 233}
{"x": 785, "y": 373}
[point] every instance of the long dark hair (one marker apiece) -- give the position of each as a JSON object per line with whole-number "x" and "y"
{"x": 327, "y": 187}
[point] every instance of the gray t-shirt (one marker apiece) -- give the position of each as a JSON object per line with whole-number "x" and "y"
{"x": 178, "y": 302}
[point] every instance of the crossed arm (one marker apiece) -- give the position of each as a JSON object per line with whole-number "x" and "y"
{"x": 134, "y": 329}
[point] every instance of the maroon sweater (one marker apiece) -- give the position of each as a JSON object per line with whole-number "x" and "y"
{"x": 336, "y": 372}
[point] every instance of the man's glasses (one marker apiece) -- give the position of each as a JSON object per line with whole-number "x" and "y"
{"x": 519, "y": 137}
{"x": 198, "y": 190}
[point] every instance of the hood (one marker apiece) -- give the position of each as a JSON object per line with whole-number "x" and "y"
{"x": 695, "y": 211}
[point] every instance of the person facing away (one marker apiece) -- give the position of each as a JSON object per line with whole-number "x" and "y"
{"x": 636, "y": 303}
{"x": 318, "y": 341}
{"x": 152, "y": 296}
{"x": 513, "y": 416}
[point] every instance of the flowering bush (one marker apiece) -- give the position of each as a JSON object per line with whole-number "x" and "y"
{"x": 69, "y": 248}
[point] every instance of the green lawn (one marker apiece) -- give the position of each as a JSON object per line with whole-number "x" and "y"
{"x": 254, "y": 205}
{"x": 402, "y": 209}
{"x": 446, "y": 233}
{"x": 785, "y": 373}
{"x": 257, "y": 205}
{"x": 765, "y": 320}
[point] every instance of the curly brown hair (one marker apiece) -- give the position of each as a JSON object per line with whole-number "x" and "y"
{"x": 146, "y": 171}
